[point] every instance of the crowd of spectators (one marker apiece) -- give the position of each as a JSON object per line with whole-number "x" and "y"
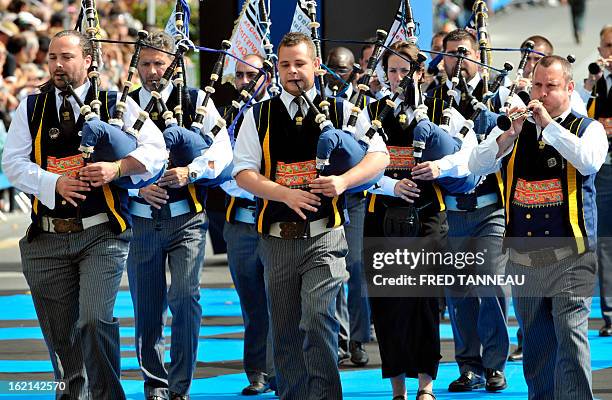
{"x": 26, "y": 28}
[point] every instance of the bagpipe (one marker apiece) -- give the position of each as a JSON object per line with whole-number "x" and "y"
{"x": 430, "y": 141}
{"x": 482, "y": 120}
{"x": 91, "y": 31}
{"x": 337, "y": 150}
{"x": 480, "y": 17}
{"x": 121, "y": 106}
{"x": 519, "y": 73}
{"x": 311, "y": 7}
{"x": 186, "y": 144}
{"x": 363, "y": 86}
{"x": 268, "y": 47}
{"x": 101, "y": 141}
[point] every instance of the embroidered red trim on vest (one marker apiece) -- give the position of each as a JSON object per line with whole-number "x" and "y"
{"x": 297, "y": 174}
{"x": 546, "y": 193}
{"x": 401, "y": 157}
{"x": 65, "y": 166}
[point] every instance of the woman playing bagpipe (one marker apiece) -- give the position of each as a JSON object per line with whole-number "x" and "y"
{"x": 169, "y": 220}
{"x": 407, "y": 328}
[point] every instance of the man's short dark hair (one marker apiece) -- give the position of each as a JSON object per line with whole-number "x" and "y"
{"x": 550, "y": 60}
{"x": 459, "y": 35}
{"x": 295, "y": 38}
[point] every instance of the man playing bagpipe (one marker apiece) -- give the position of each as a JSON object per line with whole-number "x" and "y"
{"x": 478, "y": 320}
{"x": 549, "y": 162}
{"x": 75, "y": 250}
{"x": 300, "y": 218}
{"x": 242, "y": 238}
{"x": 170, "y": 225}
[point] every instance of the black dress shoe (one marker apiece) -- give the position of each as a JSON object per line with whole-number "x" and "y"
{"x": 359, "y": 356}
{"x": 467, "y": 382}
{"x": 606, "y": 330}
{"x": 255, "y": 388}
{"x": 496, "y": 381}
{"x": 516, "y": 355}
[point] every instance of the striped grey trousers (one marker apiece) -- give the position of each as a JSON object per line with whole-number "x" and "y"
{"x": 74, "y": 279}
{"x": 180, "y": 241}
{"x": 303, "y": 278}
{"x": 556, "y": 352}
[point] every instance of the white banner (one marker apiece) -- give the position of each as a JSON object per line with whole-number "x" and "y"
{"x": 247, "y": 38}
{"x": 396, "y": 33}
{"x": 300, "y": 19}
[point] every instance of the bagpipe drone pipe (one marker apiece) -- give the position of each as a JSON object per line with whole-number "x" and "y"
{"x": 184, "y": 145}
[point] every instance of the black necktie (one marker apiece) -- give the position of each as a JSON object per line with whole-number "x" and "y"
{"x": 299, "y": 115}
{"x": 66, "y": 114}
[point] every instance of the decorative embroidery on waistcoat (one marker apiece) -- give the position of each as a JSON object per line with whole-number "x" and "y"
{"x": 546, "y": 193}
{"x": 295, "y": 175}
{"x": 401, "y": 157}
{"x": 65, "y": 166}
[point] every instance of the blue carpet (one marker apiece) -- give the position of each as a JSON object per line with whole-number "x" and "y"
{"x": 357, "y": 384}
{"x": 34, "y": 332}
{"x": 215, "y": 303}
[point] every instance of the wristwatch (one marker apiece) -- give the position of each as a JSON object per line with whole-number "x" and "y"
{"x": 193, "y": 175}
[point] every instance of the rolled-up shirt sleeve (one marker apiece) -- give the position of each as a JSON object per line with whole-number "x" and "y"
{"x": 247, "y": 151}
{"x": 17, "y": 165}
{"x": 219, "y": 153}
{"x": 483, "y": 159}
{"x": 456, "y": 165}
{"x": 586, "y": 153}
{"x": 151, "y": 151}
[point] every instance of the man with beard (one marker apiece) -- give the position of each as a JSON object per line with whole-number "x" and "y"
{"x": 75, "y": 250}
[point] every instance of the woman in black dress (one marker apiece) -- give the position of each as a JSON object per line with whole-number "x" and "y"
{"x": 407, "y": 328}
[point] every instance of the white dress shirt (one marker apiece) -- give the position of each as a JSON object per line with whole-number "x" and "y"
{"x": 231, "y": 187}
{"x": 453, "y": 165}
{"x": 220, "y": 152}
{"x": 248, "y": 152}
{"x": 31, "y": 178}
{"x": 586, "y": 153}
